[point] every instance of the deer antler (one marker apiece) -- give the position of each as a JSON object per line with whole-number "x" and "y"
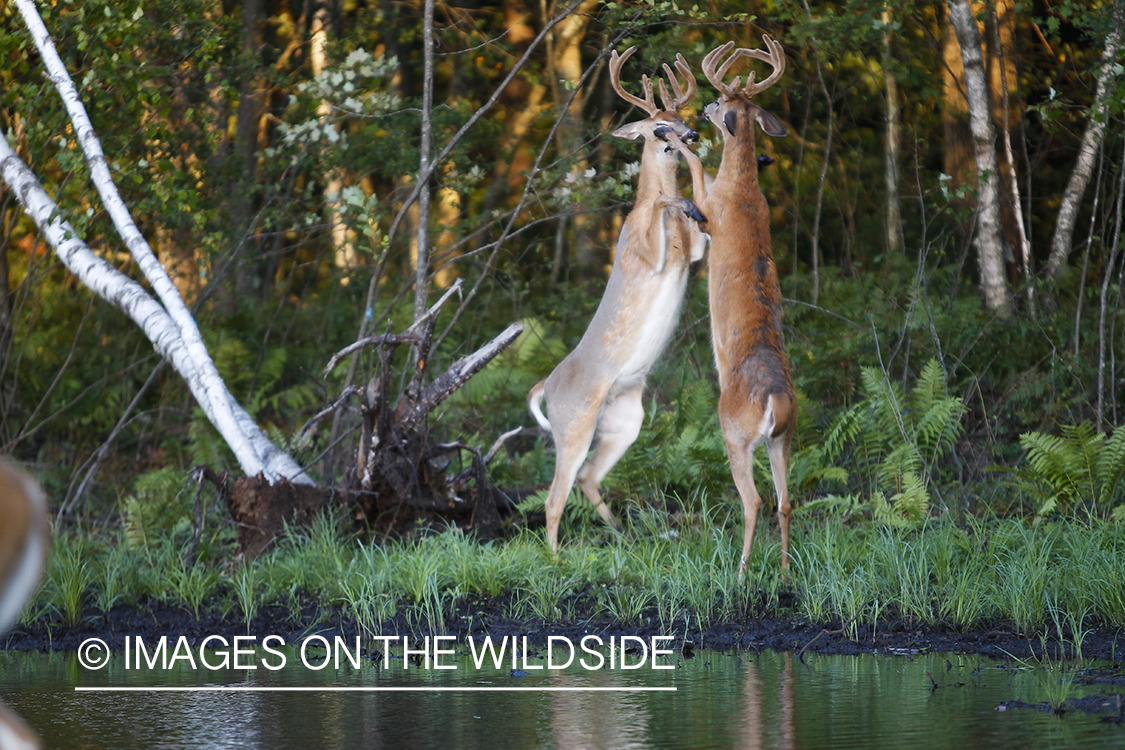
{"x": 682, "y": 98}
{"x": 648, "y": 104}
{"x": 773, "y": 54}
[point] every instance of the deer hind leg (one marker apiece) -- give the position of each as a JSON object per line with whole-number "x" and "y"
{"x": 744, "y": 427}
{"x": 741, "y": 455}
{"x": 778, "y": 448}
{"x": 573, "y": 436}
{"x": 618, "y": 428}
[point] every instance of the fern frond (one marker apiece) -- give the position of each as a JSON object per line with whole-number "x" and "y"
{"x": 913, "y": 503}
{"x": 929, "y": 388}
{"x": 844, "y": 431}
{"x": 904, "y": 459}
{"x": 939, "y": 426}
{"x": 1110, "y": 468}
{"x": 1054, "y": 462}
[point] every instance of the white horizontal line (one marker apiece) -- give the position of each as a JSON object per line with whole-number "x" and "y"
{"x": 464, "y": 689}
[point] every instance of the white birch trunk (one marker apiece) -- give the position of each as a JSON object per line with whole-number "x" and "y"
{"x": 255, "y": 452}
{"x": 155, "y": 321}
{"x": 1087, "y": 152}
{"x": 990, "y": 251}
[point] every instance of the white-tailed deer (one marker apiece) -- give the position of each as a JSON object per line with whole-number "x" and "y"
{"x": 594, "y": 395}
{"x": 756, "y": 403}
{"x": 23, "y": 554}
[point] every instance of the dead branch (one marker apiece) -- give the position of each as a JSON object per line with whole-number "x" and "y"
{"x": 350, "y": 391}
{"x": 500, "y": 443}
{"x": 453, "y": 378}
{"x": 386, "y": 339}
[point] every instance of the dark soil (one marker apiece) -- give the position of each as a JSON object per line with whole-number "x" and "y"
{"x": 153, "y": 619}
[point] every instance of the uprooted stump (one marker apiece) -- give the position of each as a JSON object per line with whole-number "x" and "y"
{"x": 400, "y": 476}
{"x": 261, "y": 510}
{"x": 399, "y": 479}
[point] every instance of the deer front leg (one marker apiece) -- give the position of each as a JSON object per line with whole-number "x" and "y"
{"x": 699, "y": 181}
{"x": 699, "y": 240}
{"x": 618, "y": 428}
{"x": 657, "y": 235}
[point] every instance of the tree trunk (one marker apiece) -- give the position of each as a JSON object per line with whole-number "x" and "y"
{"x": 171, "y": 328}
{"x": 988, "y": 240}
{"x": 1061, "y": 243}
{"x": 448, "y": 217}
{"x": 895, "y": 239}
{"x": 422, "y": 264}
{"x": 1005, "y": 53}
{"x": 957, "y": 147}
{"x": 823, "y": 168}
{"x": 253, "y": 450}
{"x": 245, "y": 282}
{"x": 1114, "y": 252}
{"x": 565, "y": 65}
{"x": 343, "y": 250}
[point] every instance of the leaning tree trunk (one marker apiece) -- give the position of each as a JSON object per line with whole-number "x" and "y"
{"x": 255, "y": 453}
{"x": 988, "y": 241}
{"x": 1087, "y": 152}
{"x": 170, "y": 326}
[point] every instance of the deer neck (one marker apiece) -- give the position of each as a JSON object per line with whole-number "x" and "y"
{"x": 658, "y": 173}
{"x": 740, "y": 159}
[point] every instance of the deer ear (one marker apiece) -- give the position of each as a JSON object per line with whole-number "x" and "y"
{"x": 629, "y": 132}
{"x": 770, "y": 125}
{"x": 730, "y": 119}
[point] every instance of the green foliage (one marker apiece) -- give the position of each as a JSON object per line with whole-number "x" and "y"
{"x": 1080, "y": 468}
{"x": 165, "y": 83}
{"x": 680, "y": 449}
{"x": 157, "y": 506}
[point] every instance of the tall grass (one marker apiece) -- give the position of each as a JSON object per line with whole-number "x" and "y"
{"x": 668, "y": 572}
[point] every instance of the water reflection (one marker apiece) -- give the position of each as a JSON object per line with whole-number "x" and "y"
{"x": 721, "y": 701}
{"x": 760, "y": 729}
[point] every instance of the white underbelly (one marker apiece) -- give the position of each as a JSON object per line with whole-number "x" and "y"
{"x": 653, "y": 335}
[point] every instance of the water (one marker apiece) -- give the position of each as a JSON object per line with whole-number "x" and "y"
{"x": 721, "y": 700}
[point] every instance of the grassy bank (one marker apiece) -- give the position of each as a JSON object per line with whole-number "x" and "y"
{"x": 677, "y": 573}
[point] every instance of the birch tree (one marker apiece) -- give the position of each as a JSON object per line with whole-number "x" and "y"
{"x": 167, "y": 323}
{"x": 988, "y": 241}
{"x": 1062, "y": 240}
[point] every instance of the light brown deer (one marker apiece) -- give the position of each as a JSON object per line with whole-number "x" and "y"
{"x": 23, "y": 555}
{"x": 594, "y": 395}
{"x": 756, "y": 403}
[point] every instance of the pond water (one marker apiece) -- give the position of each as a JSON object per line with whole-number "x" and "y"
{"x": 720, "y": 700}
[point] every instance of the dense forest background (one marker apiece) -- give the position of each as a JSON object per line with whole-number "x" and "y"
{"x": 268, "y": 150}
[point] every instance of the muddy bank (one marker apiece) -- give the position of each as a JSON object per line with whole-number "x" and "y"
{"x": 488, "y": 617}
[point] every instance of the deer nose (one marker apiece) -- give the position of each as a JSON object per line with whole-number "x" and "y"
{"x": 691, "y": 137}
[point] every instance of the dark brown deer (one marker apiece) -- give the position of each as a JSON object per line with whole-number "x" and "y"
{"x": 756, "y": 402}
{"x": 594, "y": 395}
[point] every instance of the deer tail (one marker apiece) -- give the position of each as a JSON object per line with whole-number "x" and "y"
{"x": 534, "y": 400}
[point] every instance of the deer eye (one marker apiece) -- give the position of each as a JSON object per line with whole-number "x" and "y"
{"x": 662, "y": 133}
